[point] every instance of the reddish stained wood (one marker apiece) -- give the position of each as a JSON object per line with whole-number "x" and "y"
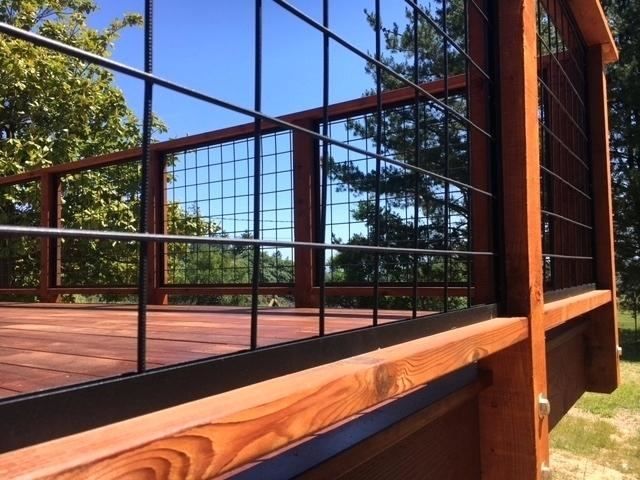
{"x": 514, "y": 440}
{"x": 157, "y": 208}
{"x": 6, "y": 393}
{"x": 304, "y": 188}
{"x": 50, "y": 206}
{"x": 478, "y": 93}
{"x": 98, "y": 161}
{"x": 594, "y": 27}
{"x": 223, "y": 290}
{"x": 49, "y": 338}
{"x": 603, "y": 374}
{"x": 383, "y": 290}
{"x": 20, "y": 379}
{"x": 339, "y": 110}
{"x": 356, "y": 106}
{"x": 561, "y": 311}
{"x": 225, "y": 431}
{"x": 94, "y": 290}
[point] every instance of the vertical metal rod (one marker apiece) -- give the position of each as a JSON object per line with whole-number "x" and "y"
{"x": 257, "y": 159}
{"x": 145, "y": 190}
{"x": 416, "y": 154}
{"x": 325, "y": 160}
{"x": 445, "y": 44}
{"x": 492, "y": 46}
{"x": 467, "y": 73}
{"x": 376, "y": 262}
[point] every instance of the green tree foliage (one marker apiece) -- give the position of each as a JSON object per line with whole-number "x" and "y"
{"x": 205, "y": 264}
{"x": 57, "y": 109}
{"x": 624, "y": 122}
{"x": 443, "y": 149}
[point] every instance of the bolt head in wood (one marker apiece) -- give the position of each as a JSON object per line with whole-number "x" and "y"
{"x": 544, "y": 406}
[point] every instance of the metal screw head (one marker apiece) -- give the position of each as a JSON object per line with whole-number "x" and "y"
{"x": 545, "y": 472}
{"x": 544, "y": 406}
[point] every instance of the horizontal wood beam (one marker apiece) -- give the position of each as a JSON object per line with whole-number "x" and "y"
{"x": 356, "y": 106}
{"x": 225, "y": 290}
{"x": 351, "y": 291}
{"x": 594, "y": 27}
{"x": 208, "y": 437}
{"x": 19, "y": 291}
{"x": 394, "y": 291}
{"x": 561, "y": 311}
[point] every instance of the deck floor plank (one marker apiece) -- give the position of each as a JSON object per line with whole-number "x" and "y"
{"x": 50, "y": 345}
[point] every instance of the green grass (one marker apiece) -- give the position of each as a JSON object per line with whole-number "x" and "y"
{"x": 626, "y": 397}
{"x": 583, "y": 437}
{"x": 601, "y": 433}
{"x": 629, "y": 339}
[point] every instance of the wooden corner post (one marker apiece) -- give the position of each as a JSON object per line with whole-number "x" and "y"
{"x": 514, "y": 436}
{"x": 603, "y": 369}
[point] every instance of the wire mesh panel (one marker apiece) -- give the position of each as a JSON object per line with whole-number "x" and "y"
{"x": 209, "y": 192}
{"x": 372, "y": 198}
{"x": 383, "y": 203}
{"x": 20, "y": 257}
{"x": 100, "y": 199}
{"x": 567, "y": 222}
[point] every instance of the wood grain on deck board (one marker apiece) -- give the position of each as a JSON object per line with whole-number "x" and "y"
{"x": 48, "y": 345}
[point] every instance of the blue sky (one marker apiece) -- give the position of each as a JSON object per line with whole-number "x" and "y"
{"x": 208, "y": 45}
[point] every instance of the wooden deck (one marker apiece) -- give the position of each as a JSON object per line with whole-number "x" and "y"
{"x": 51, "y": 345}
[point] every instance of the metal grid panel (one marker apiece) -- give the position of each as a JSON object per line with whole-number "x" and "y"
{"x": 209, "y": 192}
{"x": 84, "y": 197}
{"x": 20, "y": 257}
{"x": 567, "y": 213}
{"x": 454, "y": 27}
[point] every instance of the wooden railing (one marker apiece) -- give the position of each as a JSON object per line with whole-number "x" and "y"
{"x": 305, "y": 157}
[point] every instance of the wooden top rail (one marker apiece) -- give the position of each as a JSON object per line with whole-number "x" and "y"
{"x": 594, "y": 27}
{"x": 207, "y": 437}
{"x": 592, "y": 24}
{"x": 337, "y": 111}
{"x": 558, "y": 312}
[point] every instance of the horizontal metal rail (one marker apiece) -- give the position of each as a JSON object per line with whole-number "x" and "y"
{"x": 134, "y": 72}
{"x": 167, "y": 238}
{"x": 436, "y": 101}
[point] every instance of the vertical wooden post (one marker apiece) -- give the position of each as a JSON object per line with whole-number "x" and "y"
{"x": 514, "y": 438}
{"x": 50, "y": 206}
{"x": 603, "y": 369}
{"x": 304, "y": 155}
{"x": 157, "y": 255}
{"x": 480, "y": 160}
